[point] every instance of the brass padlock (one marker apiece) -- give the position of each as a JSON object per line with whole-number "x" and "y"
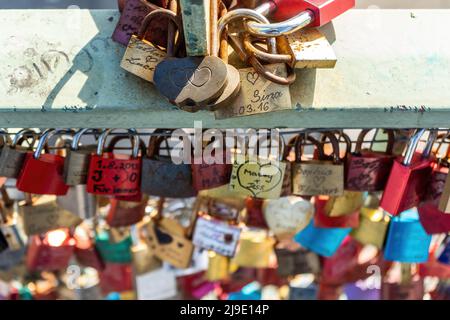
{"x": 343, "y": 205}
{"x": 373, "y": 225}
{"x": 309, "y": 48}
{"x": 13, "y": 156}
{"x": 144, "y": 259}
{"x": 45, "y": 215}
{"x": 76, "y": 164}
{"x": 218, "y": 267}
{"x": 256, "y": 249}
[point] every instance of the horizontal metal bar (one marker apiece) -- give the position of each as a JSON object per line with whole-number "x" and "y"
{"x": 392, "y": 71}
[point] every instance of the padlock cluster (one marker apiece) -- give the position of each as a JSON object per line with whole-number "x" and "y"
{"x": 183, "y": 50}
{"x": 316, "y": 222}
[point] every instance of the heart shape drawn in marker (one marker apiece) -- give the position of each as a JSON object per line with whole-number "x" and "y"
{"x": 252, "y": 77}
{"x": 258, "y": 178}
{"x": 318, "y": 181}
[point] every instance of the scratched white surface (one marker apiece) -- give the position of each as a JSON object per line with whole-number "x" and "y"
{"x": 60, "y": 68}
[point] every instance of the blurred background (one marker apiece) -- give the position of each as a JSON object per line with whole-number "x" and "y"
{"x": 108, "y": 4}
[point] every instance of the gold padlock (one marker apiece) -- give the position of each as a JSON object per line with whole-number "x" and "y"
{"x": 373, "y": 225}
{"x": 343, "y": 205}
{"x": 143, "y": 259}
{"x": 218, "y": 267}
{"x": 255, "y": 250}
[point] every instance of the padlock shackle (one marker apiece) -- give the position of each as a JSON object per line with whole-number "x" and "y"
{"x": 414, "y": 142}
{"x": 77, "y": 137}
{"x": 4, "y": 137}
{"x": 21, "y": 134}
{"x": 277, "y": 29}
{"x": 240, "y": 14}
{"x": 44, "y": 138}
{"x": 134, "y": 138}
{"x": 364, "y": 132}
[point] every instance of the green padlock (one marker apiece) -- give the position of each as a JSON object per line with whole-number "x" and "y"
{"x": 116, "y": 252}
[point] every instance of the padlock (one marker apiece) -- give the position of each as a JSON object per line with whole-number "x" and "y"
{"x": 215, "y": 235}
{"x": 324, "y": 206}
{"x": 131, "y": 19}
{"x": 126, "y": 212}
{"x": 115, "y": 174}
{"x": 303, "y": 287}
{"x": 258, "y": 176}
{"x": 212, "y": 168}
{"x": 288, "y": 156}
{"x": 348, "y": 203}
{"x": 227, "y": 209}
{"x": 76, "y": 164}
{"x": 254, "y": 214}
{"x": 372, "y": 229}
{"x": 43, "y": 173}
{"x": 79, "y": 202}
{"x": 113, "y": 252}
{"x": 13, "y": 156}
{"x": 195, "y": 286}
{"x": 12, "y": 236}
{"x": 407, "y": 240}
{"x": 51, "y": 251}
{"x": 141, "y": 56}
{"x": 318, "y": 177}
{"x": 369, "y": 170}
{"x": 287, "y": 216}
{"x": 86, "y": 253}
{"x": 293, "y": 262}
{"x": 439, "y": 187}
{"x": 297, "y": 15}
{"x": 219, "y": 267}
{"x": 5, "y": 139}
{"x": 168, "y": 246}
{"x": 192, "y": 83}
{"x": 161, "y": 177}
{"x": 233, "y": 82}
{"x": 433, "y": 220}
{"x": 12, "y": 193}
{"x": 44, "y": 215}
{"x": 116, "y": 277}
{"x": 397, "y": 291}
{"x": 323, "y": 241}
{"x": 144, "y": 260}
{"x": 255, "y": 249}
{"x": 407, "y": 181}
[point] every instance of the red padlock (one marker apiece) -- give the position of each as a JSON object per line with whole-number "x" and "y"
{"x": 297, "y": 14}
{"x": 50, "y": 252}
{"x": 321, "y": 219}
{"x": 255, "y": 215}
{"x": 86, "y": 252}
{"x": 116, "y": 277}
{"x": 126, "y": 211}
{"x": 369, "y": 170}
{"x": 43, "y": 173}
{"x": 115, "y": 174}
{"x": 407, "y": 182}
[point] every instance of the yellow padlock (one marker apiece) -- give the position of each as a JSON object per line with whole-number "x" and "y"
{"x": 373, "y": 224}
{"x": 255, "y": 249}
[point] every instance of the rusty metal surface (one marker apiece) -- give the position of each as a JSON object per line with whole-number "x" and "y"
{"x": 60, "y": 68}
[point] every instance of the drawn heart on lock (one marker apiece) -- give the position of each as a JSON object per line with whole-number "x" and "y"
{"x": 252, "y": 77}
{"x": 258, "y": 178}
{"x": 192, "y": 81}
{"x": 287, "y": 215}
{"x": 162, "y": 237}
{"x": 318, "y": 181}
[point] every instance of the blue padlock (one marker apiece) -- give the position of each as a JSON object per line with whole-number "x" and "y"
{"x": 444, "y": 257}
{"x": 323, "y": 241}
{"x": 251, "y": 291}
{"x": 407, "y": 240}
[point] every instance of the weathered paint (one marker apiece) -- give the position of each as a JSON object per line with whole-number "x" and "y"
{"x": 59, "y": 68}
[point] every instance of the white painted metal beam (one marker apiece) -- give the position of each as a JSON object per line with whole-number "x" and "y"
{"x": 59, "y": 68}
